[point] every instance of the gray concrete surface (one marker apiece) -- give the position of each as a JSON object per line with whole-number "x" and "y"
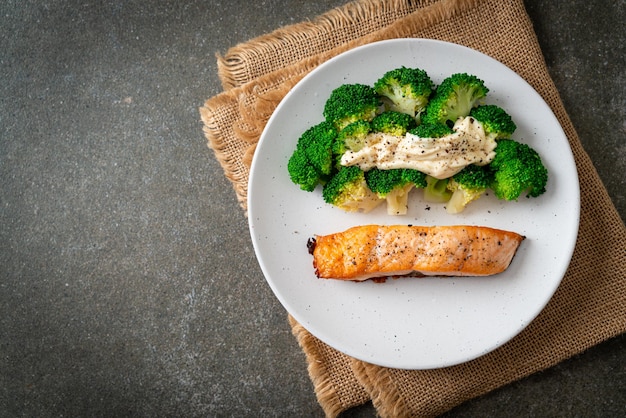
{"x": 128, "y": 283}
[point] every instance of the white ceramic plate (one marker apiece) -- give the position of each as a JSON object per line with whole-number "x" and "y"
{"x": 413, "y": 323}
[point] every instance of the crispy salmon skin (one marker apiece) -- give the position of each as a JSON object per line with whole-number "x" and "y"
{"x": 375, "y": 251}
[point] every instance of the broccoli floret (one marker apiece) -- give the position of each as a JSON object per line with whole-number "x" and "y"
{"x": 468, "y": 185}
{"x": 348, "y": 190}
{"x": 317, "y": 142}
{"x": 517, "y": 169}
{"x": 454, "y": 98}
{"x": 393, "y": 123}
{"x": 349, "y": 103}
{"x": 394, "y": 186}
{"x": 351, "y": 138}
{"x": 436, "y": 190}
{"x": 405, "y": 90}
{"x": 495, "y": 121}
{"x": 302, "y": 172}
{"x": 312, "y": 161}
{"x": 414, "y": 176}
{"x": 431, "y": 130}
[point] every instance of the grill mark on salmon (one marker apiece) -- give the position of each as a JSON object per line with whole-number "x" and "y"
{"x": 374, "y": 251}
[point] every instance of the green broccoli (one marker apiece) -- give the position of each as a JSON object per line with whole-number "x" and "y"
{"x": 405, "y": 90}
{"x": 468, "y": 185}
{"x": 312, "y": 161}
{"x": 517, "y": 169}
{"x": 431, "y": 130}
{"x": 436, "y": 190}
{"x": 454, "y": 98}
{"x": 351, "y": 138}
{"x": 414, "y": 176}
{"x": 495, "y": 121}
{"x": 393, "y": 123}
{"x": 348, "y": 191}
{"x": 349, "y": 103}
{"x": 394, "y": 186}
{"x": 302, "y": 172}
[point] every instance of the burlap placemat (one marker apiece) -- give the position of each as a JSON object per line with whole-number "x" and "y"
{"x": 589, "y": 306}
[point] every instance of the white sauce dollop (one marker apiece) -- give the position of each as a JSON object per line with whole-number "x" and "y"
{"x": 438, "y": 157}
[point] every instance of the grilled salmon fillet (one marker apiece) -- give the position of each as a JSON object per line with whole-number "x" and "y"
{"x": 371, "y": 251}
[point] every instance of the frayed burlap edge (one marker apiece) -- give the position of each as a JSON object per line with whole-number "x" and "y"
{"x": 321, "y": 360}
{"x": 323, "y": 386}
{"x": 233, "y": 123}
{"x": 375, "y": 379}
{"x": 285, "y": 46}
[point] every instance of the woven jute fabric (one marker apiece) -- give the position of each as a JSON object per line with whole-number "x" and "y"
{"x": 590, "y": 304}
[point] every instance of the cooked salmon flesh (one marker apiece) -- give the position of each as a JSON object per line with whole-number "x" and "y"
{"x": 375, "y": 251}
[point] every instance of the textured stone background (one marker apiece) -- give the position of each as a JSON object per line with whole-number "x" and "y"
{"x": 128, "y": 283}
